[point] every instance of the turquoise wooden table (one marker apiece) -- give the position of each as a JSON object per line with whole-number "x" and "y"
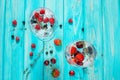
{"x": 95, "y": 21}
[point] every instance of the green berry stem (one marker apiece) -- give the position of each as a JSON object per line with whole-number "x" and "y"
{"x": 27, "y": 71}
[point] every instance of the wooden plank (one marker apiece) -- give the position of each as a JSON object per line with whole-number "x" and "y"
{"x": 2, "y": 30}
{"x": 72, "y": 32}
{"x": 36, "y": 73}
{"x": 111, "y": 40}
{"x": 7, "y": 44}
{"x": 93, "y": 34}
{"x": 57, "y": 8}
{"x": 17, "y": 54}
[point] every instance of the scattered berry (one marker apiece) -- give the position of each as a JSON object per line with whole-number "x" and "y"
{"x": 71, "y": 73}
{"x": 46, "y": 53}
{"x": 12, "y": 36}
{"x": 33, "y": 45}
{"x": 46, "y": 20}
{"x": 57, "y": 42}
{"x": 36, "y": 15}
{"x": 60, "y": 26}
{"x": 53, "y": 60}
{"x": 31, "y": 54}
{"x": 37, "y": 27}
{"x": 73, "y": 50}
{"x": 82, "y": 29}
{"x": 55, "y": 73}
{"x": 46, "y": 62}
{"x": 52, "y": 21}
{"x": 42, "y": 11}
{"x": 14, "y": 23}
{"x": 70, "y": 21}
{"x": 17, "y": 38}
{"x": 51, "y": 51}
{"x": 79, "y": 44}
{"x": 23, "y": 22}
{"x": 79, "y": 57}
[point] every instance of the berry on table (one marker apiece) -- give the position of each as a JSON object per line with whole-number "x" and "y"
{"x": 57, "y": 42}
{"x": 12, "y": 36}
{"x": 55, "y": 73}
{"x": 31, "y": 54}
{"x": 14, "y": 23}
{"x": 51, "y": 51}
{"x": 17, "y": 38}
{"x": 70, "y": 21}
{"x": 33, "y": 45}
{"x": 53, "y": 60}
{"x": 46, "y": 62}
{"x": 71, "y": 73}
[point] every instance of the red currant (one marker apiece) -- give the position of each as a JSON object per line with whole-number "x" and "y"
{"x": 31, "y": 54}
{"x": 70, "y": 20}
{"x": 33, "y": 45}
{"x": 37, "y": 27}
{"x": 36, "y": 15}
{"x": 40, "y": 19}
{"x": 17, "y": 38}
{"x": 46, "y": 20}
{"x": 71, "y": 73}
{"x": 14, "y": 22}
{"x": 42, "y": 11}
{"x": 52, "y": 21}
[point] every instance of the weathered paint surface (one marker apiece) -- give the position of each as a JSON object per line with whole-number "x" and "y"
{"x": 100, "y": 20}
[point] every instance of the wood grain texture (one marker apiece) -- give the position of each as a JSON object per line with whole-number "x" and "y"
{"x": 94, "y": 35}
{"x": 2, "y": 37}
{"x": 99, "y": 19}
{"x": 37, "y": 71}
{"x": 111, "y": 40}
